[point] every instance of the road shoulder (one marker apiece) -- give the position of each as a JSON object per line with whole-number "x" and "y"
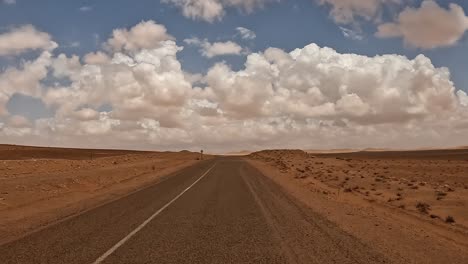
{"x": 114, "y": 182}
{"x": 401, "y": 238}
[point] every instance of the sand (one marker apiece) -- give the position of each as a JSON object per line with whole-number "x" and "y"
{"x": 39, "y": 186}
{"x": 403, "y": 202}
{"x": 411, "y": 205}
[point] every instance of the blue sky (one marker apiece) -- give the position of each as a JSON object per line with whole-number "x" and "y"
{"x": 82, "y": 27}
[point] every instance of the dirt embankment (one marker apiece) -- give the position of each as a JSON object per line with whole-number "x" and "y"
{"x": 411, "y": 203}
{"x": 39, "y": 186}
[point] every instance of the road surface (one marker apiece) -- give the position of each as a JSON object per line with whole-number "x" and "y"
{"x": 218, "y": 211}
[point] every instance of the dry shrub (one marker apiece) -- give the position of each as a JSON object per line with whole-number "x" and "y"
{"x": 450, "y": 219}
{"x": 423, "y": 207}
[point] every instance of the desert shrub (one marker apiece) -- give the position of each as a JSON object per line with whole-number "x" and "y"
{"x": 449, "y": 219}
{"x": 423, "y": 207}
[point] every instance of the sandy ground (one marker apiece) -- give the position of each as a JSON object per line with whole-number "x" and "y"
{"x": 412, "y": 205}
{"x": 39, "y": 186}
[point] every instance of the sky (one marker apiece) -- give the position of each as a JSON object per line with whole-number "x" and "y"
{"x": 230, "y": 75}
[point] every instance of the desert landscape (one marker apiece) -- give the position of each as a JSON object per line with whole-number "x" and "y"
{"x": 40, "y": 186}
{"x": 234, "y": 131}
{"x": 397, "y": 200}
{"x": 410, "y": 205}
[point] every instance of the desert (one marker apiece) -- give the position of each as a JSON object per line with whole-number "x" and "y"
{"x": 40, "y": 185}
{"x": 409, "y": 206}
{"x": 402, "y": 201}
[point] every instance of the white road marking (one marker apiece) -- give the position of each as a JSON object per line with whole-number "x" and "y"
{"x": 125, "y": 239}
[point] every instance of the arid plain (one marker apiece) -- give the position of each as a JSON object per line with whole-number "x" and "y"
{"x": 39, "y": 186}
{"x": 411, "y": 206}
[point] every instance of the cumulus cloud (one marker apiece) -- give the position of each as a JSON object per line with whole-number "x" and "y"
{"x": 208, "y": 10}
{"x": 24, "y": 38}
{"x": 145, "y": 35}
{"x": 17, "y": 121}
{"x": 86, "y": 114}
{"x": 211, "y": 50}
{"x": 463, "y": 97}
{"x": 24, "y": 79}
{"x": 318, "y": 82}
{"x": 309, "y": 97}
{"x": 96, "y": 58}
{"x": 148, "y": 83}
{"x": 211, "y": 10}
{"x": 246, "y": 33}
{"x": 428, "y": 26}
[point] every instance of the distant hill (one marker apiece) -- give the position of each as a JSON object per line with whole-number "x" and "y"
{"x": 331, "y": 150}
{"x": 15, "y": 152}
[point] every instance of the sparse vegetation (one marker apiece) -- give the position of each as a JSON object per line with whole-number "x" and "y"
{"x": 405, "y": 184}
{"x": 449, "y": 219}
{"x": 441, "y": 195}
{"x": 423, "y": 207}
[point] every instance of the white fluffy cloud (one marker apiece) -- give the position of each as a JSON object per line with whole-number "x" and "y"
{"x": 211, "y": 50}
{"x": 17, "y": 121}
{"x": 96, "y": 58}
{"x": 208, "y": 10}
{"x": 148, "y": 83}
{"x": 145, "y": 35}
{"x": 211, "y": 10}
{"x": 320, "y": 83}
{"x": 24, "y": 38}
{"x": 309, "y": 97}
{"x": 429, "y": 26}
{"x": 25, "y": 79}
{"x": 463, "y": 97}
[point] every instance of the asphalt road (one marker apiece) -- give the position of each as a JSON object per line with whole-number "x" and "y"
{"x": 218, "y": 211}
